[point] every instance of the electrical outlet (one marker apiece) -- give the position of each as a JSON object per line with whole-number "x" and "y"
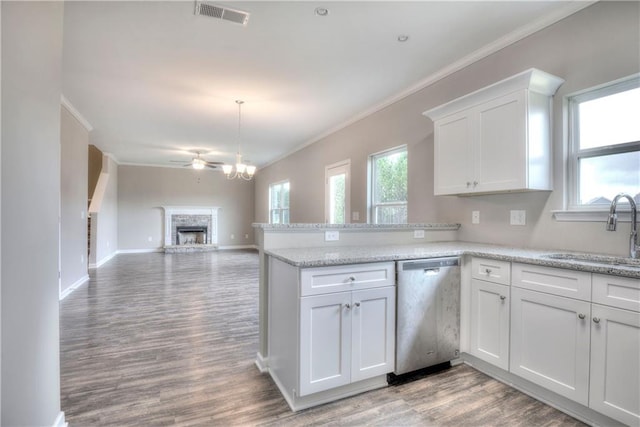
{"x": 418, "y": 234}
{"x": 331, "y": 236}
{"x": 246, "y": 236}
{"x": 81, "y": 259}
{"x": 475, "y": 217}
{"x": 150, "y": 239}
{"x": 518, "y": 217}
{"x": 355, "y": 216}
{"x": 81, "y": 214}
{"x": 233, "y": 236}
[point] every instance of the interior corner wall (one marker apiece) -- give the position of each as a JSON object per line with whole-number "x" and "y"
{"x": 143, "y": 190}
{"x": 74, "y": 141}
{"x": 94, "y": 168}
{"x": 596, "y": 45}
{"x": 31, "y": 93}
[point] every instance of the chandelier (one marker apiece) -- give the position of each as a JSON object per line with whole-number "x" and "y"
{"x": 241, "y": 170}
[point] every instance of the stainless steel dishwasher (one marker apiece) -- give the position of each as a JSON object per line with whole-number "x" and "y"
{"x": 428, "y": 313}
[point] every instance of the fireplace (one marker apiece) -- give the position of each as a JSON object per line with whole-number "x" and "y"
{"x": 190, "y": 229}
{"x": 191, "y": 235}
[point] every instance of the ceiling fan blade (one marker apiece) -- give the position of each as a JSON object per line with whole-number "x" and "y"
{"x": 213, "y": 166}
{"x": 215, "y": 163}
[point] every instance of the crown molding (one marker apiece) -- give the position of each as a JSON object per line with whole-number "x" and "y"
{"x": 75, "y": 113}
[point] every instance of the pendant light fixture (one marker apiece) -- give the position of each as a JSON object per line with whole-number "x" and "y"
{"x": 241, "y": 170}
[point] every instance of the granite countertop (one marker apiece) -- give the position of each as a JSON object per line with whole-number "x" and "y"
{"x": 328, "y": 256}
{"x": 354, "y": 226}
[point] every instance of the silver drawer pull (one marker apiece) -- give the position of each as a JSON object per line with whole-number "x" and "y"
{"x": 357, "y": 304}
{"x": 488, "y": 271}
{"x": 502, "y": 297}
{"x": 581, "y": 316}
{"x": 596, "y": 320}
{"x": 351, "y": 279}
{"x": 347, "y": 306}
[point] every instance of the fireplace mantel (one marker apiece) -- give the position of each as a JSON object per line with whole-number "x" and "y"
{"x": 169, "y": 211}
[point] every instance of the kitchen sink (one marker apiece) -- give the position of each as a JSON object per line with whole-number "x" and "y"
{"x": 596, "y": 259}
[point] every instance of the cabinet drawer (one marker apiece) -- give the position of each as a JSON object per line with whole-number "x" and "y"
{"x": 620, "y": 292}
{"x": 555, "y": 281}
{"x": 322, "y": 280}
{"x": 491, "y": 270}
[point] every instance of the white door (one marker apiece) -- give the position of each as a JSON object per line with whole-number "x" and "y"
{"x": 490, "y": 322}
{"x": 615, "y": 364}
{"x": 550, "y": 342}
{"x": 373, "y": 332}
{"x": 325, "y": 342}
{"x": 337, "y": 192}
{"x": 453, "y": 170}
{"x": 501, "y": 148}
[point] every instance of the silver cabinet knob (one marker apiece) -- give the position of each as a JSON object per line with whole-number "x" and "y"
{"x": 581, "y": 316}
{"x": 347, "y": 306}
{"x": 488, "y": 271}
{"x": 475, "y": 183}
{"x": 351, "y": 279}
{"x": 502, "y": 297}
{"x": 596, "y": 320}
{"x": 357, "y": 304}
{"x": 468, "y": 184}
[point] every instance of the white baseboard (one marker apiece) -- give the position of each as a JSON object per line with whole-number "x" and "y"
{"x": 139, "y": 251}
{"x": 74, "y": 286}
{"x": 103, "y": 260}
{"x": 60, "y": 422}
{"x": 231, "y": 247}
{"x": 262, "y": 363}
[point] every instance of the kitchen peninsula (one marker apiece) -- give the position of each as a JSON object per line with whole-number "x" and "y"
{"x": 583, "y": 291}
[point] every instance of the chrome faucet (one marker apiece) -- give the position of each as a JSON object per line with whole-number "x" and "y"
{"x": 612, "y": 221}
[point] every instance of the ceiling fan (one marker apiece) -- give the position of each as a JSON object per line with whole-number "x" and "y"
{"x": 199, "y": 163}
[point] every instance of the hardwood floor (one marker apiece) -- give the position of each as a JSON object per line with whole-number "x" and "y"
{"x": 157, "y": 339}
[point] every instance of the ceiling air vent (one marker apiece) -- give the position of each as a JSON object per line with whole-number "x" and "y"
{"x": 220, "y": 12}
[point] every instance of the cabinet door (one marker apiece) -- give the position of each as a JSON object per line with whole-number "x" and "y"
{"x": 500, "y": 152}
{"x": 452, "y": 157}
{"x": 550, "y": 342}
{"x": 373, "y": 332}
{"x": 615, "y": 364}
{"x": 490, "y": 322}
{"x": 325, "y": 342}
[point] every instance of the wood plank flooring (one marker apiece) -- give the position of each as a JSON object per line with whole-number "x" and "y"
{"x": 157, "y": 339}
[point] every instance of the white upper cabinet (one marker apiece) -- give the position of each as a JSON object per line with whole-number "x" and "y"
{"x": 497, "y": 139}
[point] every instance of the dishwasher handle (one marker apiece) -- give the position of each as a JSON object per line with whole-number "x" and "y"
{"x": 430, "y": 265}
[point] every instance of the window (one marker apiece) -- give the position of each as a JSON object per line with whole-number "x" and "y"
{"x": 604, "y": 140}
{"x": 337, "y": 195}
{"x": 388, "y": 186}
{"x": 279, "y": 203}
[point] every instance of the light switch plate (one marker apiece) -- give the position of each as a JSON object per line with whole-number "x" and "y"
{"x": 418, "y": 234}
{"x": 475, "y": 217}
{"x": 518, "y": 217}
{"x": 331, "y": 236}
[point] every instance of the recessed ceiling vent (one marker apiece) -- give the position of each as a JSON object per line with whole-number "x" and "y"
{"x": 220, "y": 12}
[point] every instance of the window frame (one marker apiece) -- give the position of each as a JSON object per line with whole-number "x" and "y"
{"x": 575, "y": 153}
{"x": 371, "y": 216}
{"x": 344, "y": 165}
{"x": 282, "y": 209}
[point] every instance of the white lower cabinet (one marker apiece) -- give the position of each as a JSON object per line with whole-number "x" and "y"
{"x": 615, "y": 363}
{"x": 346, "y": 337}
{"x": 550, "y": 342}
{"x": 490, "y": 322}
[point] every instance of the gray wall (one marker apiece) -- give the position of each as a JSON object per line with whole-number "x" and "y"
{"x": 31, "y": 91}
{"x": 142, "y": 191}
{"x": 74, "y": 140}
{"x": 594, "y": 46}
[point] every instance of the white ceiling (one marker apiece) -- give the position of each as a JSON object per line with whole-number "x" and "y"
{"x": 157, "y": 82}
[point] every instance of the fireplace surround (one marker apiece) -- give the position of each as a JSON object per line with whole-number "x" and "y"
{"x": 190, "y": 228}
